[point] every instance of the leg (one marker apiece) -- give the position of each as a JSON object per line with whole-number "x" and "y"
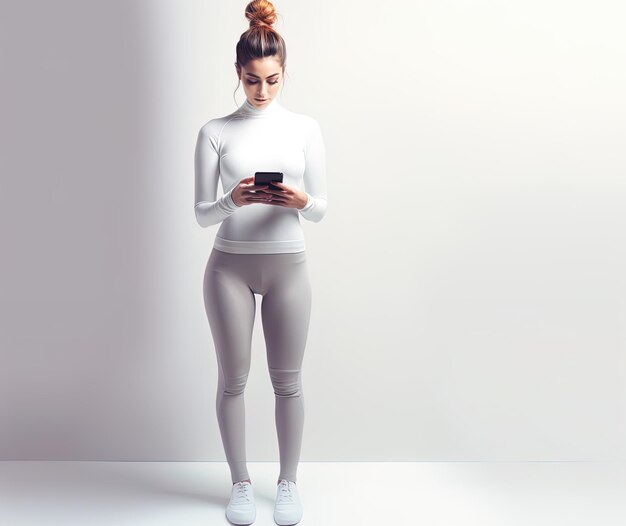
{"x": 230, "y": 307}
{"x": 285, "y": 310}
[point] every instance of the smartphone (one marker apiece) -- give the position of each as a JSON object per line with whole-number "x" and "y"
{"x": 267, "y": 178}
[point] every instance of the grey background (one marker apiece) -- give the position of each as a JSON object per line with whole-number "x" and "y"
{"x": 468, "y": 284}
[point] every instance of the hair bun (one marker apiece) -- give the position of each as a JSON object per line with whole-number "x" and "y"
{"x": 261, "y": 13}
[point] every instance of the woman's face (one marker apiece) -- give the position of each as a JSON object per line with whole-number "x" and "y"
{"x": 261, "y": 78}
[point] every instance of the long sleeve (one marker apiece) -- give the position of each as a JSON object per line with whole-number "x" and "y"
{"x": 208, "y": 208}
{"x": 315, "y": 176}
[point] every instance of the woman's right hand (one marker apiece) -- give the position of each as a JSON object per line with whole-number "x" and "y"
{"x": 243, "y": 193}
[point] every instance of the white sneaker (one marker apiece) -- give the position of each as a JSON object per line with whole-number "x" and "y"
{"x": 288, "y": 508}
{"x": 241, "y": 508}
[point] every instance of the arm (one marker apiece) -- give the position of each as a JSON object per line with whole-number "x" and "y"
{"x": 209, "y": 210}
{"x": 315, "y": 176}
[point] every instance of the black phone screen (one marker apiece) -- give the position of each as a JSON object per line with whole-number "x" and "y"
{"x": 262, "y": 178}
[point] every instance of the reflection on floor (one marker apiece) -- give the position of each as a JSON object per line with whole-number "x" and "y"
{"x": 333, "y": 493}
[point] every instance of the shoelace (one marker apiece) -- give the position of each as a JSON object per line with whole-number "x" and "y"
{"x": 285, "y": 491}
{"x": 241, "y": 492}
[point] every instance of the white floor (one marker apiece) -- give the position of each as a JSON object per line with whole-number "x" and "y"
{"x": 333, "y": 493}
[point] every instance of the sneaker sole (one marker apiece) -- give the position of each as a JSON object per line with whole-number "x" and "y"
{"x": 286, "y": 518}
{"x": 240, "y": 518}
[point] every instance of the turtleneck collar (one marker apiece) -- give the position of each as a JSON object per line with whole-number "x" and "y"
{"x": 249, "y": 110}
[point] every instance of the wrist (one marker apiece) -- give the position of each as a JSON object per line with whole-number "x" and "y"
{"x": 232, "y": 198}
{"x": 307, "y": 199}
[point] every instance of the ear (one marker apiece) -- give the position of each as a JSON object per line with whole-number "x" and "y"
{"x": 238, "y": 69}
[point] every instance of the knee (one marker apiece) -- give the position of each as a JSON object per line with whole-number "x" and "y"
{"x": 286, "y": 382}
{"x": 235, "y": 385}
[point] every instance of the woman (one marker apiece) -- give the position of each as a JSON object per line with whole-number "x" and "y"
{"x": 259, "y": 249}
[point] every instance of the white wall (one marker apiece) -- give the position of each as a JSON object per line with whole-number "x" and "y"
{"x": 468, "y": 278}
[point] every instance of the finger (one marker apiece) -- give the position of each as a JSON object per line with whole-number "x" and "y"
{"x": 257, "y": 198}
{"x": 258, "y": 192}
{"x": 276, "y": 191}
{"x": 276, "y": 199}
{"x": 277, "y": 194}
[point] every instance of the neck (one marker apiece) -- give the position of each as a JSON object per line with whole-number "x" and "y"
{"x": 250, "y": 110}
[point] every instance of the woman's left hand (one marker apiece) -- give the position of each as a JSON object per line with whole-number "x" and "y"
{"x": 286, "y": 196}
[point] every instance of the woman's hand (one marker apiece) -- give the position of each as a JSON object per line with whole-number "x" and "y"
{"x": 289, "y": 197}
{"x": 284, "y": 196}
{"x": 243, "y": 193}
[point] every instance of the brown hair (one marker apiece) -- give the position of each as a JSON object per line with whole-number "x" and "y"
{"x": 261, "y": 40}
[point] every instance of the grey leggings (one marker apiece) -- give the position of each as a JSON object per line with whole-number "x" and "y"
{"x": 230, "y": 282}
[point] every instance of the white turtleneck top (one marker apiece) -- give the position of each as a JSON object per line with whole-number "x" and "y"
{"x": 269, "y": 139}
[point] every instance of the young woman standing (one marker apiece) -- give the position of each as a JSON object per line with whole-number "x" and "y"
{"x": 260, "y": 249}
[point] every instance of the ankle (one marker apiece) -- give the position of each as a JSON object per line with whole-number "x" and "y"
{"x": 246, "y": 480}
